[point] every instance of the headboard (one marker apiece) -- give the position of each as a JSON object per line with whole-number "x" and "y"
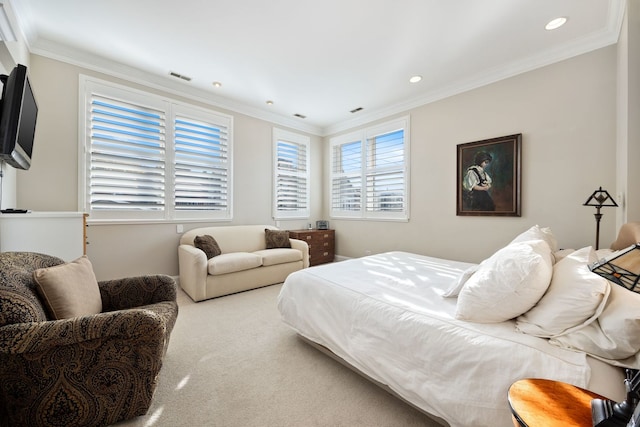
{"x": 628, "y": 235}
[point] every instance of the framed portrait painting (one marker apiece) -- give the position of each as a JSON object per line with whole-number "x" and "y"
{"x": 488, "y": 179}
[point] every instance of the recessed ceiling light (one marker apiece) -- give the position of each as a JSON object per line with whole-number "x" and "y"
{"x": 217, "y": 84}
{"x": 415, "y": 79}
{"x": 269, "y": 102}
{"x": 555, "y": 23}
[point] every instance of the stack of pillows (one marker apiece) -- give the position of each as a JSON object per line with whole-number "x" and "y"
{"x": 552, "y": 294}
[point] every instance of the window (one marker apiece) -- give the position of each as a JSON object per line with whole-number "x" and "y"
{"x": 291, "y": 175}
{"x": 370, "y": 173}
{"x": 146, "y": 157}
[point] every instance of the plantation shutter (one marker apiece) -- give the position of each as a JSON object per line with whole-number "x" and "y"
{"x": 346, "y": 185}
{"x": 291, "y": 175}
{"x": 201, "y": 164}
{"x": 370, "y": 173}
{"x": 385, "y": 186}
{"x": 145, "y": 157}
{"x": 126, "y": 156}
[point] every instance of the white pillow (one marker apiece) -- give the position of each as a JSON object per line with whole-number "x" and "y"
{"x": 615, "y": 334}
{"x": 506, "y": 284}
{"x": 561, "y": 254}
{"x": 574, "y": 298}
{"x": 538, "y": 233}
{"x": 456, "y": 286}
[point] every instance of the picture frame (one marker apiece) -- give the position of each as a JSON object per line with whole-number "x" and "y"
{"x": 488, "y": 179}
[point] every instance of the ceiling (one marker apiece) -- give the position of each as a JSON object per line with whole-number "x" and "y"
{"x": 318, "y": 59}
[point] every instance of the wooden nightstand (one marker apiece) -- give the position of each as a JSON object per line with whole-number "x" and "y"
{"x": 546, "y": 403}
{"x": 321, "y": 244}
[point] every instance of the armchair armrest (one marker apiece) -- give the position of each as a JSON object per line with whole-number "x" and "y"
{"x": 140, "y": 324}
{"x": 90, "y": 370}
{"x": 129, "y": 292}
{"x": 303, "y": 247}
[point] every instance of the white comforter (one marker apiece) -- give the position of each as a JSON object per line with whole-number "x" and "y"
{"x": 384, "y": 314}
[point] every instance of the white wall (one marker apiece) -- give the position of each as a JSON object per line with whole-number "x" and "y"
{"x": 567, "y": 115}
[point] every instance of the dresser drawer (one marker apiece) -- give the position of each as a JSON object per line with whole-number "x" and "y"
{"x": 321, "y": 244}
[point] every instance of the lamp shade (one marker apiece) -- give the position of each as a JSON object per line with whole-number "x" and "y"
{"x": 621, "y": 267}
{"x": 600, "y": 198}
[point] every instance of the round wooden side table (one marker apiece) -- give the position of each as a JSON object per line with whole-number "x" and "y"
{"x": 547, "y": 403}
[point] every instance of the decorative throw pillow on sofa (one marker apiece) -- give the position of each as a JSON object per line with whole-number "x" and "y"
{"x": 208, "y": 245}
{"x": 277, "y": 238}
{"x": 69, "y": 290}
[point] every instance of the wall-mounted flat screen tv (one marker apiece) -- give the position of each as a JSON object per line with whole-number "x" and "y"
{"x": 18, "y": 114}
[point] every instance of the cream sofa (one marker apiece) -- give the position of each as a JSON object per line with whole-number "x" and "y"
{"x": 244, "y": 263}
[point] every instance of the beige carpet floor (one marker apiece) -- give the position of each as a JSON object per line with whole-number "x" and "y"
{"x": 232, "y": 362}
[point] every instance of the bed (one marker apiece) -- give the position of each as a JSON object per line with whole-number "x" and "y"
{"x": 406, "y": 321}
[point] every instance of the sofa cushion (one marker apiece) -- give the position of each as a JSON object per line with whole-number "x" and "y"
{"x": 69, "y": 290}
{"x": 208, "y": 245}
{"x": 276, "y": 238}
{"x": 232, "y": 262}
{"x": 279, "y": 256}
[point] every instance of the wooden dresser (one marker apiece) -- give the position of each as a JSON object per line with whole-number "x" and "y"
{"x": 321, "y": 244}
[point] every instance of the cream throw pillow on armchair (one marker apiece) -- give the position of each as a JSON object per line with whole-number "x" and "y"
{"x": 69, "y": 290}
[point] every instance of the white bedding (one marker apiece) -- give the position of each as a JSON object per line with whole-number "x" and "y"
{"x": 385, "y": 315}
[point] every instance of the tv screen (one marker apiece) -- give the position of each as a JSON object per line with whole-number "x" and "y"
{"x": 18, "y": 114}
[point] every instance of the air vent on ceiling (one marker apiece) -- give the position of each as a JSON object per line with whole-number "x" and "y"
{"x": 300, "y": 116}
{"x": 355, "y": 110}
{"x": 180, "y": 76}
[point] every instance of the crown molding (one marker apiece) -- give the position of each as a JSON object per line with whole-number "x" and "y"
{"x": 599, "y": 40}
{"x": 96, "y": 63}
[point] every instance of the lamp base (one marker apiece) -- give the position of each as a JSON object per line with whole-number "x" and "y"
{"x": 607, "y": 413}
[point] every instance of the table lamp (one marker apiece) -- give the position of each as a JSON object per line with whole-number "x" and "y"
{"x": 600, "y": 199}
{"x": 621, "y": 268}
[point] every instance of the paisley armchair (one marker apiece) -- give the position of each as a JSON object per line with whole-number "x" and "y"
{"x": 82, "y": 371}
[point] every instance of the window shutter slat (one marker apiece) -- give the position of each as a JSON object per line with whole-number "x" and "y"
{"x": 291, "y": 178}
{"x": 385, "y": 180}
{"x": 201, "y": 165}
{"x": 127, "y": 150}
